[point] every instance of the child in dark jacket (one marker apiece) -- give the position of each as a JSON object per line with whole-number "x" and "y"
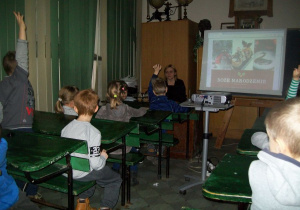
{"x": 157, "y": 94}
{"x": 158, "y": 101}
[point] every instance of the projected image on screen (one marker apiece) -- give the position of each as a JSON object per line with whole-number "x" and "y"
{"x": 243, "y": 61}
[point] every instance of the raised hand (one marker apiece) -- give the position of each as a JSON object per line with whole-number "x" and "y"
{"x": 296, "y": 73}
{"x": 157, "y": 68}
{"x": 22, "y": 25}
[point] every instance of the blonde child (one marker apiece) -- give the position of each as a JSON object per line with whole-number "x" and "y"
{"x": 65, "y": 102}
{"x": 275, "y": 177}
{"x": 116, "y": 110}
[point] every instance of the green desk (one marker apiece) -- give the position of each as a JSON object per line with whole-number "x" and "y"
{"x": 137, "y": 104}
{"x": 153, "y": 118}
{"x": 111, "y": 132}
{"x": 52, "y": 124}
{"x": 229, "y": 180}
{"x": 245, "y": 147}
{"x": 30, "y": 152}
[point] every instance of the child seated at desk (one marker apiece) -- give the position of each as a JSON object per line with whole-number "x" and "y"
{"x": 115, "y": 109}
{"x": 261, "y": 139}
{"x": 65, "y": 102}
{"x": 157, "y": 94}
{"x": 275, "y": 177}
{"x": 10, "y": 195}
{"x": 118, "y": 111}
{"x": 17, "y": 95}
{"x": 158, "y": 100}
{"x": 86, "y": 104}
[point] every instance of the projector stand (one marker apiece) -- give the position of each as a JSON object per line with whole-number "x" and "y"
{"x": 206, "y": 109}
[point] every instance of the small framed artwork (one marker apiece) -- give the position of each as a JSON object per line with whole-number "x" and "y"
{"x": 251, "y": 7}
{"x": 227, "y": 25}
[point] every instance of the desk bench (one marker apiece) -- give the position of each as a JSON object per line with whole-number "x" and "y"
{"x": 113, "y": 133}
{"x": 151, "y": 126}
{"x": 42, "y": 159}
{"x": 229, "y": 180}
{"x": 245, "y": 147}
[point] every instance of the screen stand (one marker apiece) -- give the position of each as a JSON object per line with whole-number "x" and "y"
{"x": 197, "y": 181}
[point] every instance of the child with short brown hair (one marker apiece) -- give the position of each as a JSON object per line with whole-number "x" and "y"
{"x": 86, "y": 104}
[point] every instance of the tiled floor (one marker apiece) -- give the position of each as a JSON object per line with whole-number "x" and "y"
{"x": 164, "y": 194}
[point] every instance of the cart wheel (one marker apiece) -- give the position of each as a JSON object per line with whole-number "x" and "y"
{"x": 187, "y": 179}
{"x": 182, "y": 192}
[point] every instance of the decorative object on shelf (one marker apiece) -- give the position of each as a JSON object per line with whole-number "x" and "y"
{"x": 228, "y": 25}
{"x": 248, "y": 12}
{"x": 168, "y": 11}
{"x": 184, "y": 3}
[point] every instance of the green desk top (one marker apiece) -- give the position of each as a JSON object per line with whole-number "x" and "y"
{"x": 245, "y": 147}
{"x": 229, "y": 180}
{"x": 52, "y": 124}
{"x": 136, "y": 104}
{"x": 31, "y": 152}
{"x": 152, "y": 117}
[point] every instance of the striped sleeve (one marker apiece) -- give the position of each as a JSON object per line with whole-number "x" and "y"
{"x": 292, "y": 92}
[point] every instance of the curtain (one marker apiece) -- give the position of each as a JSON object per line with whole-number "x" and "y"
{"x": 9, "y": 27}
{"x": 121, "y": 38}
{"x": 72, "y": 43}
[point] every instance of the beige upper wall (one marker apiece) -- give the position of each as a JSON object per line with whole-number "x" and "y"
{"x": 285, "y": 13}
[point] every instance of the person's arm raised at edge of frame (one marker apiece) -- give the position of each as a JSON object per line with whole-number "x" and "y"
{"x": 21, "y": 48}
{"x": 22, "y": 26}
{"x": 293, "y": 89}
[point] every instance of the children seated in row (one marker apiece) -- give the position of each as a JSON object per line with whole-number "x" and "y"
{"x": 275, "y": 177}
{"x": 65, "y": 102}
{"x": 116, "y": 110}
{"x": 261, "y": 139}
{"x": 86, "y": 104}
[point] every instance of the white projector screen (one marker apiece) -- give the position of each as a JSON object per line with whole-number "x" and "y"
{"x": 247, "y": 61}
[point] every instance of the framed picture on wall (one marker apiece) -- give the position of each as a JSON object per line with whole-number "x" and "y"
{"x": 251, "y": 7}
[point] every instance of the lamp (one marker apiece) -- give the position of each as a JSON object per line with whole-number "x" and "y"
{"x": 167, "y": 11}
{"x": 155, "y": 4}
{"x": 184, "y": 3}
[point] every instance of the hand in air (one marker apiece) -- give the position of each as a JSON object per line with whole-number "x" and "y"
{"x": 157, "y": 68}
{"x": 296, "y": 73}
{"x": 20, "y": 20}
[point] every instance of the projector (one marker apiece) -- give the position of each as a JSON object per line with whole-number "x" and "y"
{"x": 212, "y": 98}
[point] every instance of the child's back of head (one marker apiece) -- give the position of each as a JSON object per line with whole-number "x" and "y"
{"x": 283, "y": 122}
{"x": 123, "y": 89}
{"x": 86, "y": 102}
{"x": 159, "y": 86}
{"x": 9, "y": 62}
{"x": 114, "y": 94}
{"x": 65, "y": 98}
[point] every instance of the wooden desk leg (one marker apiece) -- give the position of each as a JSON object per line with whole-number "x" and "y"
{"x": 223, "y": 128}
